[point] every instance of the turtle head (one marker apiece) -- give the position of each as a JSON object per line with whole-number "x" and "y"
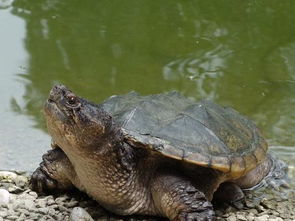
{"x": 74, "y": 122}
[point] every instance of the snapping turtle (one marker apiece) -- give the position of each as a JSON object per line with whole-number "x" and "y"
{"x": 162, "y": 155}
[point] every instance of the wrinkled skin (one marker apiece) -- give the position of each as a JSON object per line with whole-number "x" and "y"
{"x": 89, "y": 153}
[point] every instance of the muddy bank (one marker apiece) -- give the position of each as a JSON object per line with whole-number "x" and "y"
{"x": 18, "y": 203}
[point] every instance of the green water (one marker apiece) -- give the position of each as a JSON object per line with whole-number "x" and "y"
{"x": 237, "y": 53}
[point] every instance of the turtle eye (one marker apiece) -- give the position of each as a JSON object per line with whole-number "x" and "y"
{"x": 72, "y": 100}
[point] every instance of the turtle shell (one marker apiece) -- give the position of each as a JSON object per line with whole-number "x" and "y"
{"x": 201, "y": 133}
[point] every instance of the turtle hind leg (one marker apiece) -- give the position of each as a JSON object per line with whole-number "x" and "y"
{"x": 228, "y": 192}
{"x": 177, "y": 199}
{"x": 54, "y": 173}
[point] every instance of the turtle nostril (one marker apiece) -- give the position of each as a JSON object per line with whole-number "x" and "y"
{"x": 54, "y": 93}
{"x": 59, "y": 89}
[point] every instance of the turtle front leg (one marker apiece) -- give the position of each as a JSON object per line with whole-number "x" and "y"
{"x": 177, "y": 199}
{"x": 54, "y": 173}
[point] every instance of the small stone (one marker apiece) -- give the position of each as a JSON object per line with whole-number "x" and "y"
{"x": 51, "y": 212}
{"x": 276, "y": 219}
{"x": 43, "y": 211}
{"x": 3, "y": 213}
{"x": 50, "y": 202}
{"x": 59, "y": 217}
{"x": 23, "y": 211}
{"x": 232, "y": 217}
{"x": 33, "y": 194}
{"x": 49, "y": 197}
{"x": 79, "y": 214}
{"x": 241, "y": 217}
{"x": 267, "y": 204}
{"x": 21, "y": 181}
{"x": 22, "y": 216}
{"x": 47, "y": 218}
{"x": 4, "y": 197}
{"x": 54, "y": 206}
{"x": 252, "y": 211}
{"x": 62, "y": 208}
{"x": 262, "y": 218}
{"x": 29, "y": 205}
{"x": 26, "y": 196}
{"x": 15, "y": 189}
{"x": 41, "y": 203}
{"x": 250, "y": 217}
{"x": 16, "y": 203}
{"x": 250, "y": 204}
{"x": 35, "y": 216}
{"x": 61, "y": 199}
{"x": 275, "y": 213}
{"x": 259, "y": 208}
{"x": 7, "y": 175}
{"x": 72, "y": 203}
{"x": 12, "y": 217}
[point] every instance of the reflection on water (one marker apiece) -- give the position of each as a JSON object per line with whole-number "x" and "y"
{"x": 237, "y": 53}
{"x": 204, "y": 68}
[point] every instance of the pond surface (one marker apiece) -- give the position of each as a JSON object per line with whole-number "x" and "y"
{"x": 237, "y": 53}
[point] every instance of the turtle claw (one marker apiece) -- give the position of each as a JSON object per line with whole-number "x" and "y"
{"x": 53, "y": 144}
{"x": 52, "y": 174}
{"x": 41, "y": 182}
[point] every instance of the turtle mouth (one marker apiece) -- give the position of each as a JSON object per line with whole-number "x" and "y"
{"x": 50, "y": 106}
{"x": 52, "y": 110}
